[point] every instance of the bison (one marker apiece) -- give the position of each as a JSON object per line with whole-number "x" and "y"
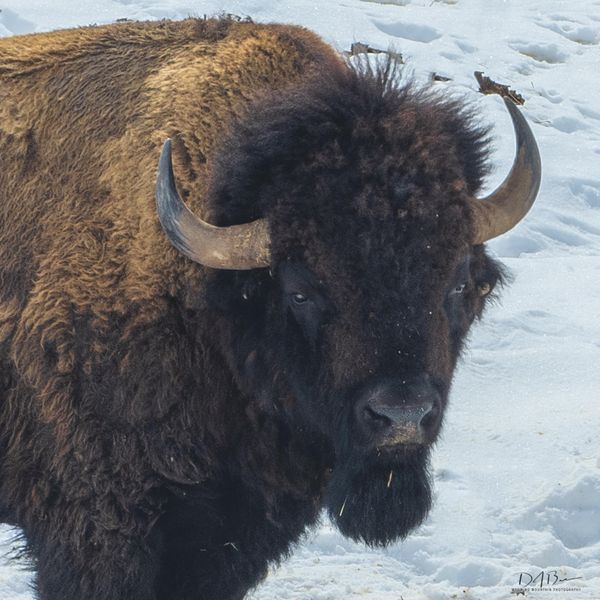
{"x": 176, "y": 410}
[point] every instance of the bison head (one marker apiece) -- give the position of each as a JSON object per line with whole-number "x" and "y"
{"x": 361, "y": 199}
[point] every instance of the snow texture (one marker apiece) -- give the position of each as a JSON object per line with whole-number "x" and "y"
{"x": 517, "y": 471}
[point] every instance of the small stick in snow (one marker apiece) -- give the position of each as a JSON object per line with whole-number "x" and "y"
{"x": 360, "y": 48}
{"x": 488, "y": 86}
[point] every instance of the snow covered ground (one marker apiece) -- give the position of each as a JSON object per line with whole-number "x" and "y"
{"x": 518, "y": 469}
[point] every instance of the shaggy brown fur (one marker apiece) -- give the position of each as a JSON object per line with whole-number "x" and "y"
{"x": 83, "y": 114}
{"x": 166, "y": 430}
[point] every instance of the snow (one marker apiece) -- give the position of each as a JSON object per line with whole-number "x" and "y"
{"x": 517, "y": 472}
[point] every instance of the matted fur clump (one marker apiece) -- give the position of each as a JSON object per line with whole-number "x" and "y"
{"x": 350, "y": 114}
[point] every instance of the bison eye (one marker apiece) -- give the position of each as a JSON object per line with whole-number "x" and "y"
{"x": 459, "y": 289}
{"x": 299, "y": 298}
{"x": 484, "y": 289}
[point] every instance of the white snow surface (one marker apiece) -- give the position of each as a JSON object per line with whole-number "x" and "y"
{"x": 517, "y": 471}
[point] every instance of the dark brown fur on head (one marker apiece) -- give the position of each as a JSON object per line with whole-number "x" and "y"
{"x": 165, "y": 429}
{"x": 366, "y": 183}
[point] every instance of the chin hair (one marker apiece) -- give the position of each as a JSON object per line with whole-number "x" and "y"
{"x": 369, "y": 505}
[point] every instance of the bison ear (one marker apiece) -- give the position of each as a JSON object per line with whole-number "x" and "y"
{"x": 238, "y": 247}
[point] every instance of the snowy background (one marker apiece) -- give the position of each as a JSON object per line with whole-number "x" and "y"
{"x": 517, "y": 473}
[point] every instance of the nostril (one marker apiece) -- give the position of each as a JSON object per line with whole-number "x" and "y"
{"x": 422, "y": 416}
{"x": 396, "y": 412}
{"x": 429, "y": 419}
{"x": 375, "y": 418}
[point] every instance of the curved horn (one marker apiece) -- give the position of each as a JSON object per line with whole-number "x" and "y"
{"x": 238, "y": 247}
{"x": 504, "y": 208}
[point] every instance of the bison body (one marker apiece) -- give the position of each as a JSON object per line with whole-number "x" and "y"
{"x": 167, "y": 429}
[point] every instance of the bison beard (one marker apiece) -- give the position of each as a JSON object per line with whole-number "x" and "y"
{"x": 378, "y": 501}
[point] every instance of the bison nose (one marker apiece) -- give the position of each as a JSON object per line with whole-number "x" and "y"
{"x": 398, "y": 412}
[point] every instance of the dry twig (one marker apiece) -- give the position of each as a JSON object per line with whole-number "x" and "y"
{"x": 359, "y": 48}
{"x": 488, "y": 86}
